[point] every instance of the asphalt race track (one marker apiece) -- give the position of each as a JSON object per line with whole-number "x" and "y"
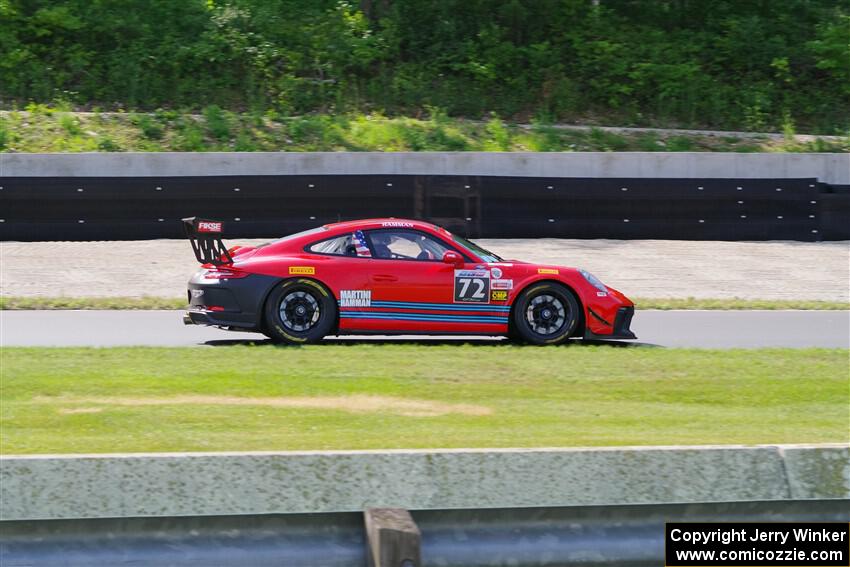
{"x": 698, "y": 329}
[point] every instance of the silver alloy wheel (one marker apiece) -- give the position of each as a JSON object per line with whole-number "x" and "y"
{"x": 299, "y": 311}
{"x": 545, "y": 314}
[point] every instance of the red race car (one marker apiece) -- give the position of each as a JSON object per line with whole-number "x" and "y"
{"x": 392, "y": 276}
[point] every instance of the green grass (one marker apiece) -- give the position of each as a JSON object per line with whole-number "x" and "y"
{"x": 144, "y": 302}
{"x": 42, "y": 128}
{"x": 149, "y": 302}
{"x": 740, "y": 304}
{"x": 77, "y": 400}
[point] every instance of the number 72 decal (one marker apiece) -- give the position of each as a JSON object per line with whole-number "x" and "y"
{"x": 472, "y": 286}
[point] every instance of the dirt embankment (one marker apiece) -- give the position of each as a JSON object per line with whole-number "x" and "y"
{"x": 639, "y": 268}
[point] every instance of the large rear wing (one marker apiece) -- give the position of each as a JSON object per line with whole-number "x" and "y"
{"x": 205, "y": 236}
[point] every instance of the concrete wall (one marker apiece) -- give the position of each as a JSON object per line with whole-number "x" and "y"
{"x": 50, "y": 487}
{"x": 828, "y": 168}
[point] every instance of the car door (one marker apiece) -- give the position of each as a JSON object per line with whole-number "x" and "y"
{"x": 412, "y": 290}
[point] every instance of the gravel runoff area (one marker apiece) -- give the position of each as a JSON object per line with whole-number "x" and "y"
{"x": 640, "y": 268}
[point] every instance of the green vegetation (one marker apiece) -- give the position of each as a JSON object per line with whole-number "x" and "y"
{"x": 149, "y": 302}
{"x": 59, "y": 400}
{"x": 42, "y": 128}
{"x": 738, "y": 304}
{"x": 61, "y": 302}
{"x": 726, "y": 64}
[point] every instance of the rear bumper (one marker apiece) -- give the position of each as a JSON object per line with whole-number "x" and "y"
{"x": 235, "y": 304}
{"x": 622, "y": 324}
{"x": 230, "y": 321}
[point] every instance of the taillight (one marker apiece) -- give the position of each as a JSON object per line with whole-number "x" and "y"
{"x": 223, "y": 274}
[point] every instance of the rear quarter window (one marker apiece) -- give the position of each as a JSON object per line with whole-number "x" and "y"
{"x": 336, "y": 246}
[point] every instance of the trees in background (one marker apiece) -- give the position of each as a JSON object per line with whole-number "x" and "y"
{"x": 752, "y": 64}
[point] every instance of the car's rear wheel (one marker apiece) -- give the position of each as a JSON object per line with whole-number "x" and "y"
{"x": 299, "y": 311}
{"x": 546, "y": 313}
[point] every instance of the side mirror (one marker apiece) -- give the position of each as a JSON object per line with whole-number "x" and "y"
{"x": 453, "y": 258}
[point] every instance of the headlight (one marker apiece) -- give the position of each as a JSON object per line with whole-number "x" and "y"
{"x": 593, "y": 280}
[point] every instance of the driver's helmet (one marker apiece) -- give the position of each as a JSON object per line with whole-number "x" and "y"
{"x": 382, "y": 238}
{"x": 381, "y": 243}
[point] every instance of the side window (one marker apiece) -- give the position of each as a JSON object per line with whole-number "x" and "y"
{"x": 353, "y": 244}
{"x": 405, "y": 245}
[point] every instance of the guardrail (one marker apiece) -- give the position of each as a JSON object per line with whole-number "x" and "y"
{"x": 521, "y": 537}
{"x": 472, "y": 506}
{"x": 111, "y": 208}
{"x": 678, "y": 196}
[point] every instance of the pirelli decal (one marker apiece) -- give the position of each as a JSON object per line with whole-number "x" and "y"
{"x": 302, "y": 270}
{"x": 552, "y": 271}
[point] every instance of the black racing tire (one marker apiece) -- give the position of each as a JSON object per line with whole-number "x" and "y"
{"x": 299, "y": 311}
{"x": 545, "y": 313}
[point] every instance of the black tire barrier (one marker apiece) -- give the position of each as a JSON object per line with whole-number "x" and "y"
{"x": 130, "y": 208}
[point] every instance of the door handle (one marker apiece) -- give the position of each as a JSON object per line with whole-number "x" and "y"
{"x": 384, "y": 278}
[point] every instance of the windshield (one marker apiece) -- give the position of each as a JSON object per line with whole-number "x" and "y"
{"x": 485, "y": 255}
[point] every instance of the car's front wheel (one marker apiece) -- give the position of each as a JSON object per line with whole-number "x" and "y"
{"x": 299, "y": 311}
{"x": 545, "y": 313}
